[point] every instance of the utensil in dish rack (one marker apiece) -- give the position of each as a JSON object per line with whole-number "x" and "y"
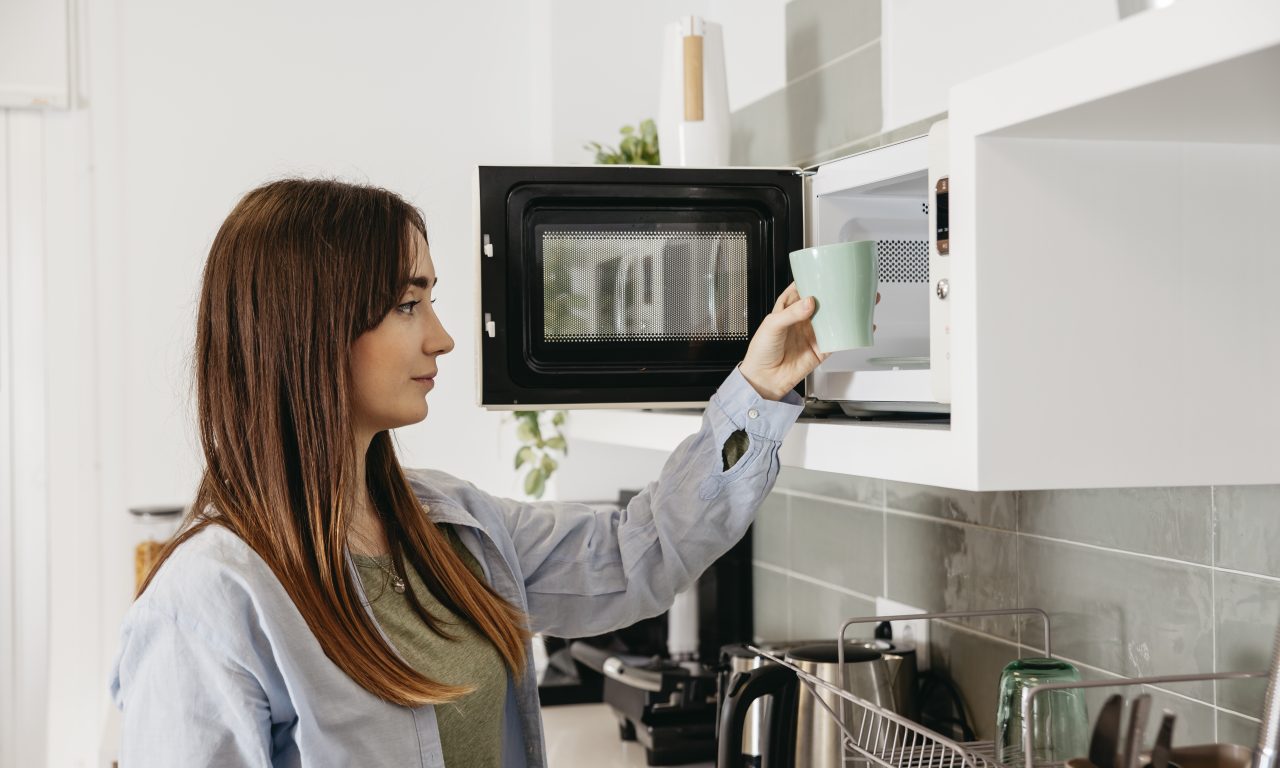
{"x": 1265, "y": 756}
{"x": 1105, "y": 741}
{"x": 1164, "y": 741}
{"x": 1138, "y": 712}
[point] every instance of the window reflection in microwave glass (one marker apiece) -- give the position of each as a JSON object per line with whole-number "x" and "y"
{"x": 617, "y": 285}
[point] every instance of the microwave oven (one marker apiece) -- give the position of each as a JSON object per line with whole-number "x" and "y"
{"x": 640, "y": 286}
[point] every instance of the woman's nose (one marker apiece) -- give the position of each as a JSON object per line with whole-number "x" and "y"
{"x": 437, "y": 341}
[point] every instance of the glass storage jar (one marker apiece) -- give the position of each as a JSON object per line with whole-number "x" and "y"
{"x": 152, "y": 528}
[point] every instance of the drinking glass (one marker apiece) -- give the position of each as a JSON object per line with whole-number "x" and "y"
{"x": 1059, "y": 724}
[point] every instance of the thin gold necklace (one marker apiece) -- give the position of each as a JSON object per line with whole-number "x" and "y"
{"x": 397, "y": 583}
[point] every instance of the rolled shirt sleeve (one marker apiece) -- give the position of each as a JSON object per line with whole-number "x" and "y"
{"x": 587, "y": 571}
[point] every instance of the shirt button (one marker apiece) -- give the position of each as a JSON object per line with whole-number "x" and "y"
{"x": 753, "y": 414}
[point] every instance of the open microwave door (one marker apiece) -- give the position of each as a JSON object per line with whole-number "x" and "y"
{"x": 629, "y": 286}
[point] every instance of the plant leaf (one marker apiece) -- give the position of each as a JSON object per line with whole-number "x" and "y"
{"x": 526, "y": 433}
{"x": 558, "y": 443}
{"x": 524, "y": 454}
{"x": 535, "y": 483}
{"x": 558, "y": 419}
{"x": 548, "y": 464}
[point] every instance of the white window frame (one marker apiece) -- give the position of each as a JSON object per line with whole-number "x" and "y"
{"x": 7, "y": 658}
{"x": 24, "y": 535}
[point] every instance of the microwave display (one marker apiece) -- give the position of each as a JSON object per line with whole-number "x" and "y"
{"x": 942, "y": 200}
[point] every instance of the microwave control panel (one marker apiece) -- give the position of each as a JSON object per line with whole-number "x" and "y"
{"x": 940, "y": 298}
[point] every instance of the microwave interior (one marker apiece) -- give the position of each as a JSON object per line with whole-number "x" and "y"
{"x": 612, "y": 285}
{"x": 893, "y": 375}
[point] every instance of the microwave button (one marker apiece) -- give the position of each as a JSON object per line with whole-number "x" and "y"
{"x": 944, "y": 288}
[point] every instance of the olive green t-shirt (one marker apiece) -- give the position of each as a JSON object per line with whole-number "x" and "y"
{"x": 470, "y": 727}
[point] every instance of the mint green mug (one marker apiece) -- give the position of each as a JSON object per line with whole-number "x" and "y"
{"x": 843, "y": 279}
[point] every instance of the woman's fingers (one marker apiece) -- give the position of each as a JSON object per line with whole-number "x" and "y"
{"x": 790, "y": 296}
{"x": 800, "y": 309}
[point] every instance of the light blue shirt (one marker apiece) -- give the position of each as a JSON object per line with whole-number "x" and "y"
{"x": 218, "y": 668}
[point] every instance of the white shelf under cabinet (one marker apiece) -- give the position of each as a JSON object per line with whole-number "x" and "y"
{"x": 916, "y": 453}
{"x": 1114, "y": 265}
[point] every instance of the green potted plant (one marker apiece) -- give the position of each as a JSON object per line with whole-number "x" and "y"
{"x": 538, "y": 443}
{"x": 639, "y": 146}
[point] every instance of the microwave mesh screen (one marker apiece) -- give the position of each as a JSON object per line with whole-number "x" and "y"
{"x": 903, "y": 261}
{"x": 643, "y": 285}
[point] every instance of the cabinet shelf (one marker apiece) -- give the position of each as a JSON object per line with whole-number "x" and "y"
{"x": 1201, "y": 70}
{"x": 918, "y": 453}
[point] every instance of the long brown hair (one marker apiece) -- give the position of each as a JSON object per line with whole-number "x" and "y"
{"x": 299, "y": 269}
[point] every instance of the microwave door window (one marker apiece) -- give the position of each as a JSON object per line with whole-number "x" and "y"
{"x": 609, "y": 286}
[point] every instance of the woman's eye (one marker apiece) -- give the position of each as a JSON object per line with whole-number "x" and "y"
{"x": 407, "y": 307}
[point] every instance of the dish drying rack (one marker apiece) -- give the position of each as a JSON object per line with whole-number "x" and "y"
{"x": 874, "y": 736}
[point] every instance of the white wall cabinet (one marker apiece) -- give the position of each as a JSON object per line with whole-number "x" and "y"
{"x": 1114, "y": 270}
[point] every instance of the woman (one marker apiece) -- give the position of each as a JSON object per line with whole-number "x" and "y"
{"x": 325, "y": 607}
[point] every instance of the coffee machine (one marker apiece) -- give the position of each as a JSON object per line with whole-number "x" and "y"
{"x": 660, "y": 675}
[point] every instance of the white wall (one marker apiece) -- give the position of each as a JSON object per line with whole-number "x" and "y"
{"x": 927, "y": 46}
{"x": 188, "y": 109}
{"x": 605, "y": 61}
{"x": 221, "y": 97}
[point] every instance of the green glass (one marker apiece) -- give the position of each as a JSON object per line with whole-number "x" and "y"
{"x": 843, "y": 278}
{"x": 1059, "y": 722}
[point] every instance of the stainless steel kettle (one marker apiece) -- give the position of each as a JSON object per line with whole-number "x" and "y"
{"x": 737, "y": 658}
{"x": 797, "y": 731}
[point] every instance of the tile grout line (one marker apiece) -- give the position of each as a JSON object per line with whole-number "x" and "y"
{"x": 787, "y": 591}
{"x": 833, "y": 500}
{"x": 1229, "y": 711}
{"x": 1213, "y": 598}
{"x": 899, "y": 512}
{"x": 1017, "y": 565}
{"x": 1116, "y": 550}
{"x": 811, "y": 73}
{"x": 884, "y": 541}
{"x": 900, "y": 134}
{"x": 811, "y": 580}
{"x": 1234, "y": 572}
{"x": 979, "y": 633}
{"x": 826, "y": 65}
{"x": 1155, "y": 687}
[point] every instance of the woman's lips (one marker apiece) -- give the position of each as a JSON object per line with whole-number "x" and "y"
{"x": 426, "y": 381}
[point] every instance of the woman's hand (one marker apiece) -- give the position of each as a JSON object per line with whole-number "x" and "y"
{"x": 783, "y": 350}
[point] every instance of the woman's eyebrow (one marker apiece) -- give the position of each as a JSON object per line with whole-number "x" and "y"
{"x": 423, "y": 282}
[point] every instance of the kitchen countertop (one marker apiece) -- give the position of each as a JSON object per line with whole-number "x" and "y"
{"x": 586, "y": 736}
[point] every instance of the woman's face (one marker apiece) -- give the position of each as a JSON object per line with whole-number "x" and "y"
{"x": 393, "y": 366}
